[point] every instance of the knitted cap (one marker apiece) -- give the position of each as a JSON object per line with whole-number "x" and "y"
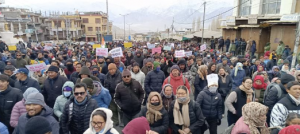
{"x": 126, "y": 72}
{"x": 286, "y": 78}
{"x": 155, "y": 65}
{"x": 88, "y": 82}
{"x": 35, "y": 98}
{"x": 175, "y": 67}
{"x": 37, "y": 125}
{"x": 135, "y": 64}
{"x": 112, "y": 66}
{"x": 53, "y": 68}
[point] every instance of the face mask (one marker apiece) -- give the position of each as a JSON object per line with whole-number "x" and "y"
{"x": 95, "y": 72}
{"x": 65, "y": 58}
{"x": 181, "y": 99}
{"x": 155, "y": 103}
{"x": 158, "y": 68}
{"x": 149, "y": 67}
{"x": 67, "y": 94}
{"x": 208, "y": 56}
{"x": 73, "y": 60}
{"x": 46, "y": 56}
{"x": 213, "y": 89}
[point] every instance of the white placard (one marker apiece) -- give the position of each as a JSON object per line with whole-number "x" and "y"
{"x": 212, "y": 78}
{"x": 188, "y": 53}
{"x": 179, "y": 53}
{"x": 102, "y": 52}
{"x": 116, "y": 52}
{"x": 36, "y": 67}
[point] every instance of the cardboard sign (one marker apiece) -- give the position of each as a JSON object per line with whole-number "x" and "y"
{"x": 203, "y": 47}
{"x": 156, "y": 50}
{"x": 102, "y": 52}
{"x": 128, "y": 44}
{"x": 151, "y": 46}
{"x": 167, "y": 48}
{"x": 36, "y": 67}
{"x": 12, "y": 48}
{"x": 188, "y": 53}
{"x": 179, "y": 53}
{"x": 212, "y": 79}
{"x": 116, "y": 52}
{"x": 96, "y": 46}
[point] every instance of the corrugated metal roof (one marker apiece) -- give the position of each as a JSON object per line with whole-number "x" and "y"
{"x": 278, "y": 21}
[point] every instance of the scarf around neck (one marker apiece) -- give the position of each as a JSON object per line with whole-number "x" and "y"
{"x": 249, "y": 93}
{"x": 153, "y": 114}
{"x": 183, "y": 117}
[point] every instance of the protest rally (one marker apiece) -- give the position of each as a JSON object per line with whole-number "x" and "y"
{"x": 238, "y": 78}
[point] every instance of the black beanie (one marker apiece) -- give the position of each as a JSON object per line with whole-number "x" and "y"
{"x": 53, "y": 68}
{"x": 37, "y": 125}
{"x": 286, "y": 78}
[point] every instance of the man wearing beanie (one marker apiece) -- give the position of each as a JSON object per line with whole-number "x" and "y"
{"x": 176, "y": 79}
{"x": 98, "y": 92}
{"x": 113, "y": 77}
{"x": 154, "y": 79}
{"x": 24, "y": 81}
{"x": 223, "y": 65}
{"x": 147, "y": 67}
{"x": 35, "y": 106}
{"x": 53, "y": 85}
{"x": 137, "y": 74}
{"x": 129, "y": 97}
{"x": 276, "y": 92}
{"x": 9, "y": 96}
{"x": 288, "y": 104}
{"x": 38, "y": 125}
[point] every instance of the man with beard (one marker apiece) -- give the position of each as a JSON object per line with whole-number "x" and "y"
{"x": 25, "y": 57}
{"x": 41, "y": 59}
{"x": 20, "y": 62}
{"x": 69, "y": 68}
{"x": 139, "y": 58}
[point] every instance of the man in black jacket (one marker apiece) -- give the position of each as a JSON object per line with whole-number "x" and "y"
{"x": 24, "y": 81}
{"x": 75, "y": 75}
{"x": 78, "y": 109}
{"x": 8, "y": 98}
{"x": 129, "y": 97}
{"x": 9, "y": 71}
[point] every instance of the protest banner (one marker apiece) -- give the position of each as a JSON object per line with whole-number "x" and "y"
{"x": 128, "y": 44}
{"x": 151, "y": 46}
{"x": 179, "y": 53}
{"x": 102, "y": 52}
{"x": 116, "y": 52}
{"x": 96, "y": 46}
{"x": 36, "y": 67}
{"x": 167, "y": 48}
{"x": 12, "y": 48}
{"x": 188, "y": 53}
{"x": 156, "y": 50}
{"x": 203, "y": 47}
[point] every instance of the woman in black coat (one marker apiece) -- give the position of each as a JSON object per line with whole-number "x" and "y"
{"x": 225, "y": 84}
{"x": 185, "y": 114}
{"x": 155, "y": 113}
{"x": 200, "y": 80}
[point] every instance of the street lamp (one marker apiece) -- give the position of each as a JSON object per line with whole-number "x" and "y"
{"x": 124, "y": 23}
{"x": 129, "y": 29}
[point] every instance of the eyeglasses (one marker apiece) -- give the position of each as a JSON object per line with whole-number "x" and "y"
{"x": 97, "y": 123}
{"x": 126, "y": 76}
{"x": 79, "y": 93}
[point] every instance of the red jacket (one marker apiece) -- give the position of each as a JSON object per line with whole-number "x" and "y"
{"x": 176, "y": 82}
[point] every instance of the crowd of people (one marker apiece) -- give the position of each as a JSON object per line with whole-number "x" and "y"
{"x": 80, "y": 92}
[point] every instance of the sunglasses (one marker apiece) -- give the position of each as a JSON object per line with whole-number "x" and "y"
{"x": 126, "y": 76}
{"x": 79, "y": 93}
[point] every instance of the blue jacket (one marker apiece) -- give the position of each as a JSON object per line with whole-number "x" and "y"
{"x": 238, "y": 79}
{"x": 102, "y": 96}
{"x": 23, "y": 85}
{"x": 211, "y": 104}
{"x": 227, "y": 42}
{"x": 154, "y": 81}
{"x": 3, "y": 129}
{"x": 253, "y": 48}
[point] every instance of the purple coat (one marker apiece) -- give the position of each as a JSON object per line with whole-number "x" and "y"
{"x": 17, "y": 111}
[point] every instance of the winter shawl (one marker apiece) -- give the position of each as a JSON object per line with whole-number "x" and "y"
{"x": 163, "y": 91}
{"x": 261, "y": 79}
{"x": 223, "y": 78}
{"x": 249, "y": 93}
{"x": 202, "y": 71}
{"x": 237, "y": 68}
{"x": 182, "y": 118}
{"x": 251, "y": 113}
{"x": 153, "y": 114}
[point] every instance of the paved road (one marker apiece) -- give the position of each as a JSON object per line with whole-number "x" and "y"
{"x": 221, "y": 128}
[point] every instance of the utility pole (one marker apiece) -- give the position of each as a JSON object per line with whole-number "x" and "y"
{"x": 297, "y": 41}
{"x": 124, "y": 24}
{"x": 202, "y": 40}
{"x": 57, "y": 29}
{"x": 129, "y": 30}
{"x": 107, "y": 25}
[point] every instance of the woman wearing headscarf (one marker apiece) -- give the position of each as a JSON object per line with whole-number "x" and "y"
{"x": 101, "y": 123}
{"x": 285, "y": 70}
{"x": 260, "y": 68}
{"x": 237, "y": 99}
{"x": 225, "y": 84}
{"x": 259, "y": 86}
{"x": 167, "y": 96}
{"x": 237, "y": 75}
{"x": 155, "y": 113}
{"x": 212, "y": 68}
{"x": 200, "y": 80}
{"x": 253, "y": 120}
{"x": 185, "y": 115}
{"x": 274, "y": 73}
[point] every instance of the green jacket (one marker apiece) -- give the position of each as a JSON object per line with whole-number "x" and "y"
{"x": 232, "y": 47}
{"x": 20, "y": 63}
{"x": 280, "y": 49}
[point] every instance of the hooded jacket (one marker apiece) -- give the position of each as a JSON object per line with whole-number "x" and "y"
{"x": 62, "y": 100}
{"x": 154, "y": 81}
{"x": 139, "y": 59}
{"x": 112, "y": 80}
{"x": 271, "y": 64}
{"x": 85, "y": 70}
{"x": 47, "y": 113}
{"x": 272, "y": 74}
{"x": 238, "y": 79}
{"x": 101, "y": 95}
{"x": 108, "y": 129}
{"x": 20, "y": 108}
{"x": 140, "y": 77}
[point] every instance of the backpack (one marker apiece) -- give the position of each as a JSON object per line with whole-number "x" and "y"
{"x": 279, "y": 92}
{"x": 228, "y": 130}
{"x": 169, "y": 79}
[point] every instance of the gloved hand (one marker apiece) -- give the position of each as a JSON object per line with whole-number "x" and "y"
{"x": 219, "y": 122}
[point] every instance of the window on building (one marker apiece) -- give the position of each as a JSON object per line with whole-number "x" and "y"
{"x": 97, "y": 20}
{"x": 57, "y": 23}
{"x": 85, "y": 20}
{"x": 271, "y": 6}
{"x": 90, "y": 28}
{"x": 245, "y": 7}
{"x": 98, "y": 28}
